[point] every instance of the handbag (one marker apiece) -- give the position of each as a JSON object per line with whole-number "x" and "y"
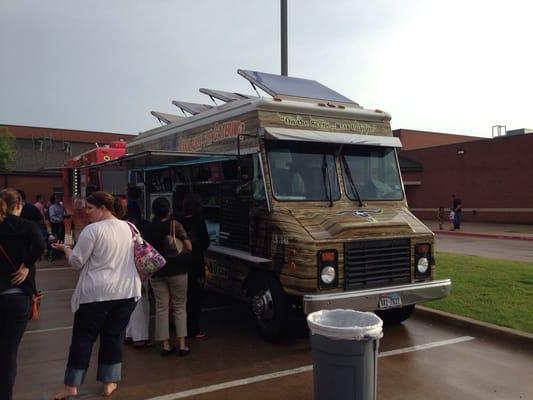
{"x": 172, "y": 245}
{"x": 147, "y": 259}
{"x": 36, "y": 296}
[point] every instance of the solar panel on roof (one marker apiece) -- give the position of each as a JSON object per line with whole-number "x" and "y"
{"x": 191, "y": 108}
{"x": 166, "y": 118}
{"x": 225, "y": 96}
{"x": 279, "y": 85}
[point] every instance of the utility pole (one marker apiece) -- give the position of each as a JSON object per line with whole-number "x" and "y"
{"x": 284, "y": 68}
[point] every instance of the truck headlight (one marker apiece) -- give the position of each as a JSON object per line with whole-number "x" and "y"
{"x": 422, "y": 265}
{"x": 327, "y": 275}
{"x": 422, "y": 260}
{"x": 327, "y": 262}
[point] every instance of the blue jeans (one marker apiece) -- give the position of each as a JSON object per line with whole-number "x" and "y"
{"x": 457, "y": 220}
{"x": 107, "y": 319}
{"x": 14, "y": 312}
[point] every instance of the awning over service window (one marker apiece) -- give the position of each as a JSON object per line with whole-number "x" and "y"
{"x": 331, "y": 137}
{"x": 152, "y": 160}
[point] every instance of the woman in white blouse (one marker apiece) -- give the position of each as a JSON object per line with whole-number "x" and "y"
{"x": 105, "y": 296}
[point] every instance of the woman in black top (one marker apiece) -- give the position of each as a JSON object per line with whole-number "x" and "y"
{"x": 23, "y": 244}
{"x": 194, "y": 224}
{"x": 170, "y": 281}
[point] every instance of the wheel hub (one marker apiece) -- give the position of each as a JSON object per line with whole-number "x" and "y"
{"x": 262, "y": 305}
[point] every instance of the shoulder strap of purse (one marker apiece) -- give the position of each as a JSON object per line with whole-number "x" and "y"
{"x": 133, "y": 229}
{"x": 4, "y": 253}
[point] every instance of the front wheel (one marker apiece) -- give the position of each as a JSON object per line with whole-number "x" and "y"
{"x": 269, "y": 305}
{"x": 395, "y": 315}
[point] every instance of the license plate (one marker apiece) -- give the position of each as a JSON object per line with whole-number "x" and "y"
{"x": 390, "y": 300}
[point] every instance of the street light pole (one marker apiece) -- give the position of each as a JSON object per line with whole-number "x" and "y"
{"x": 284, "y": 68}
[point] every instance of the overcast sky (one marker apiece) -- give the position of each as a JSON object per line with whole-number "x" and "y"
{"x": 456, "y": 66}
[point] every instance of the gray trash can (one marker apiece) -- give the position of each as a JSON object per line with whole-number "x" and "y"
{"x": 344, "y": 346}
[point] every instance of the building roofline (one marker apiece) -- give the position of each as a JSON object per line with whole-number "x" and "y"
{"x": 400, "y": 130}
{"x": 67, "y": 130}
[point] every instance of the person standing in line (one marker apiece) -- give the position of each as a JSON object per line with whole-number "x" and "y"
{"x": 33, "y": 213}
{"x": 39, "y": 203}
{"x": 137, "y": 330}
{"x": 105, "y": 295}
{"x": 56, "y": 214}
{"x": 23, "y": 245}
{"x": 196, "y": 229}
{"x": 29, "y": 211}
{"x": 457, "y": 206}
{"x": 169, "y": 281}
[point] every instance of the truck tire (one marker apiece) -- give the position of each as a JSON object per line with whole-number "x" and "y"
{"x": 269, "y": 305}
{"x": 395, "y": 315}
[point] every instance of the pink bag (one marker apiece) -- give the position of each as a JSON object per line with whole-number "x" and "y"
{"x": 147, "y": 259}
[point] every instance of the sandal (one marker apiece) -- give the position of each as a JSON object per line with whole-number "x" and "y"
{"x": 184, "y": 352}
{"x": 165, "y": 353}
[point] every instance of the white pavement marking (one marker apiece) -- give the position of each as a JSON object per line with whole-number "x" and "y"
{"x": 57, "y": 291}
{"x": 61, "y": 328}
{"x": 299, "y": 370}
{"x": 151, "y": 316}
{"x": 222, "y": 308}
{"x": 426, "y": 346}
{"x": 55, "y": 269}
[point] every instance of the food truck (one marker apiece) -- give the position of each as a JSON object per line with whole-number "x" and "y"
{"x": 302, "y": 196}
{"x": 82, "y": 172}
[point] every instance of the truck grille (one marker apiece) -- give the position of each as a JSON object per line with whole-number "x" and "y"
{"x": 376, "y": 263}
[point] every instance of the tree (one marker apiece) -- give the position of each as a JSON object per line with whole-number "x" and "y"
{"x": 7, "y": 149}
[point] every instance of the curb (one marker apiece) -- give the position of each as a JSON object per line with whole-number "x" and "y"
{"x": 484, "y": 235}
{"x": 480, "y": 326}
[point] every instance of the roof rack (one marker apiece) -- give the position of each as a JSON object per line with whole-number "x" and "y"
{"x": 225, "y": 96}
{"x": 191, "y": 108}
{"x": 165, "y": 118}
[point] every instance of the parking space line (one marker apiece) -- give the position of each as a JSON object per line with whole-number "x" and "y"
{"x": 230, "y": 384}
{"x": 57, "y": 291}
{"x": 61, "y": 328}
{"x": 299, "y": 370}
{"x": 222, "y": 308}
{"x": 426, "y": 346}
{"x": 39, "y": 270}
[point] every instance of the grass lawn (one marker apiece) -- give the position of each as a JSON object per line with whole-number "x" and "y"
{"x": 495, "y": 291}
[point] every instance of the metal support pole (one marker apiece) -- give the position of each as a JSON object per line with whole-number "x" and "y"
{"x": 284, "y": 68}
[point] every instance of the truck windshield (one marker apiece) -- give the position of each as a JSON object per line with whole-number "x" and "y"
{"x": 374, "y": 172}
{"x": 303, "y": 171}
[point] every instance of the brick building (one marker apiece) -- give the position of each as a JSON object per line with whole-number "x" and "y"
{"x": 412, "y": 139}
{"x": 491, "y": 176}
{"x": 41, "y": 152}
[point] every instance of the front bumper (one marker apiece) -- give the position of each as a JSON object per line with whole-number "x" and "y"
{"x": 367, "y": 300}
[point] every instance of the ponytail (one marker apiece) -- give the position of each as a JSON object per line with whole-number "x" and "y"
{"x": 119, "y": 208}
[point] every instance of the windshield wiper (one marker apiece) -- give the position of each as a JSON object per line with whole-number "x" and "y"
{"x": 327, "y": 183}
{"x": 350, "y": 180}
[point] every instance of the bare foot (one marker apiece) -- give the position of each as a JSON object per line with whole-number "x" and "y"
{"x": 109, "y": 388}
{"x": 65, "y": 393}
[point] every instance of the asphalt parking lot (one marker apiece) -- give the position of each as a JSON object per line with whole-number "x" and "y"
{"x": 424, "y": 358}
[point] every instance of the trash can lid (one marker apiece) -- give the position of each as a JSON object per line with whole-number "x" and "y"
{"x": 345, "y": 324}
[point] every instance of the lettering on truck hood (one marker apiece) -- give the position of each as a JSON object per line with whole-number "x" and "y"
{"x": 348, "y": 223}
